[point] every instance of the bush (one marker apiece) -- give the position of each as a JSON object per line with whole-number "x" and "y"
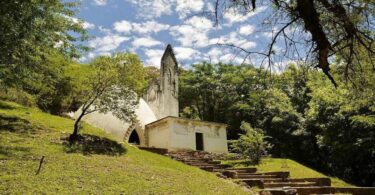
{"x": 251, "y": 144}
{"x": 18, "y": 96}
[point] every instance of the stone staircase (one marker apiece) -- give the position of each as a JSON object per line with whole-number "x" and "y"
{"x": 270, "y": 183}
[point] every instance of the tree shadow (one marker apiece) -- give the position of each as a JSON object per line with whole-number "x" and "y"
{"x": 15, "y": 124}
{"x": 5, "y": 106}
{"x": 11, "y": 151}
{"x": 92, "y": 144}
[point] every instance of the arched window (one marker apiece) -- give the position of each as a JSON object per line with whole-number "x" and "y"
{"x": 170, "y": 75}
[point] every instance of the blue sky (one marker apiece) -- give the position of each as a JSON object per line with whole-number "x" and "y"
{"x": 145, "y": 27}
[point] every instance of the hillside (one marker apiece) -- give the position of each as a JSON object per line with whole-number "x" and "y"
{"x": 104, "y": 167}
{"x": 296, "y": 169}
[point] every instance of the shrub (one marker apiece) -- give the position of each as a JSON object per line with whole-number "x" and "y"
{"x": 251, "y": 144}
{"x": 18, "y": 96}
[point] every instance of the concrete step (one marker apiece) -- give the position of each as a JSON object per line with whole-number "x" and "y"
{"x": 260, "y": 177}
{"x": 243, "y": 170}
{"x": 333, "y": 190}
{"x": 323, "y": 181}
{"x": 278, "y": 174}
{"x": 278, "y": 191}
{"x": 258, "y": 181}
{"x": 288, "y": 184}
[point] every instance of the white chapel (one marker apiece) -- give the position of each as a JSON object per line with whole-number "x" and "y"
{"x": 158, "y": 123}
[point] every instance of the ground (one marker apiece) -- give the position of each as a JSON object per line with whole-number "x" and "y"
{"x": 296, "y": 169}
{"x": 106, "y": 167}
{"x": 100, "y": 165}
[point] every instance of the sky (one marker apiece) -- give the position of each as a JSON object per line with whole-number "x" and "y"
{"x": 145, "y": 27}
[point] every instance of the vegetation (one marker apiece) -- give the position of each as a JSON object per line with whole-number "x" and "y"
{"x": 38, "y": 39}
{"x": 27, "y": 134}
{"x": 251, "y": 144}
{"x": 295, "y": 169}
{"x": 112, "y": 86}
{"x": 311, "y": 31}
{"x": 303, "y": 117}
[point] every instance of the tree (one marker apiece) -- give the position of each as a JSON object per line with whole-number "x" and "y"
{"x": 333, "y": 27}
{"x": 252, "y": 144}
{"x": 33, "y": 30}
{"x": 113, "y": 86}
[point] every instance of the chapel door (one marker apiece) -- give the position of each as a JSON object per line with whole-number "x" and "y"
{"x": 199, "y": 141}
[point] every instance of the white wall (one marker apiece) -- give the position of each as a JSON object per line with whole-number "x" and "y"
{"x": 159, "y": 136}
{"x": 181, "y": 135}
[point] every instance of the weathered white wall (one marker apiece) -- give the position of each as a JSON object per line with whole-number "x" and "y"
{"x": 159, "y": 135}
{"x": 111, "y": 124}
{"x": 182, "y": 134}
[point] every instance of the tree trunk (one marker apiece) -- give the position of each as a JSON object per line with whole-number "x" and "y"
{"x": 74, "y": 136}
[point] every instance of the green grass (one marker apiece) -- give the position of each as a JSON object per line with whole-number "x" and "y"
{"x": 296, "y": 169}
{"x": 33, "y": 134}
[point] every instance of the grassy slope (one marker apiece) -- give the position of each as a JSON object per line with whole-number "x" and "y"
{"x": 296, "y": 170}
{"x": 135, "y": 172}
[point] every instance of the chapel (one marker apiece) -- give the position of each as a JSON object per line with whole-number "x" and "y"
{"x": 158, "y": 124}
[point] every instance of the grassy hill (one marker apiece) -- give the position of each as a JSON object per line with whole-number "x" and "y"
{"x": 296, "y": 169}
{"x": 99, "y": 166}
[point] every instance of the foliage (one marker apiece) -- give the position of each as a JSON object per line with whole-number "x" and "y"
{"x": 112, "y": 87}
{"x": 31, "y": 29}
{"x": 252, "y": 144}
{"x": 133, "y": 172}
{"x": 295, "y": 169}
{"x": 38, "y": 40}
{"x": 310, "y": 30}
{"x": 18, "y": 96}
{"x": 301, "y": 114}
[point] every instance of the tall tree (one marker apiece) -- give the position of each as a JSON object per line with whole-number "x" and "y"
{"x": 33, "y": 29}
{"x": 324, "y": 27}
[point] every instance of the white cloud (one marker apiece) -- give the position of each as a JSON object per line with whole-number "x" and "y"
{"x": 153, "y": 8}
{"x": 185, "y": 53}
{"x": 193, "y": 33}
{"x": 232, "y": 16}
{"x": 200, "y": 23}
{"x": 189, "y": 36}
{"x": 145, "y": 42}
{"x": 142, "y": 28}
{"x": 154, "y": 57}
{"x": 149, "y": 27}
{"x": 88, "y": 25}
{"x": 214, "y": 54}
{"x": 107, "y": 43}
{"x": 100, "y": 2}
{"x": 247, "y": 30}
{"x": 186, "y": 7}
{"x": 122, "y": 26}
{"x": 234, "y": 39}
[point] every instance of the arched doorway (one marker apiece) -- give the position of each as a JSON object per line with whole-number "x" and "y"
{"x": 134, "y": 138}
{"x": 134, "y": 134}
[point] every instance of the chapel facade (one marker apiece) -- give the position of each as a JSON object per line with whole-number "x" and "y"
{"x": 158, "y": 124}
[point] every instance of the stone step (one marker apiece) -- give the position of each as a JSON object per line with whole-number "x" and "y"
{"x": 278, "y": 191}
{"x": 288, "y": 184}
{"x": 207, "y": 168}
{"x": 258, "y": 181}
{"x": 277, "y": 174}
{"x": 332, "y": 190}
{"x": 323, "y": 181}
{"x": 260, "y": 177}
{"x": 243, "y": 170}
